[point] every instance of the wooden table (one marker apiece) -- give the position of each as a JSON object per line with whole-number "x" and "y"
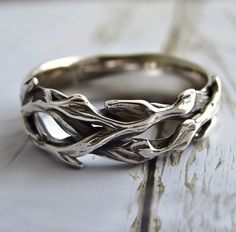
{"x": 192, "y": 191}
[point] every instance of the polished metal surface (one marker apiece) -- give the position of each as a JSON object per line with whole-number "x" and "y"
{"x": 115, "y": 130}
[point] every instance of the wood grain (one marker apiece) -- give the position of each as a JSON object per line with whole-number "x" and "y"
{"x": 190, "y": 191}
{"x": 194, "y": 190}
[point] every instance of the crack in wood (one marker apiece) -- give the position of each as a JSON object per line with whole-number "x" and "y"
{"x": 218, "y": 164}
{"x": 150, "y": 191}
{"x": 190, "y": 185}
{"x": 175, "y": 158}
{"x": 146, "y": 217}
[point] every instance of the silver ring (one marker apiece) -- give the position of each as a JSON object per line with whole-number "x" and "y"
{"x": 116, "y": 129}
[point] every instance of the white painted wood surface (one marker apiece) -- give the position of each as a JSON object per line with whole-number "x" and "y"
{"x": 192, "y": 191}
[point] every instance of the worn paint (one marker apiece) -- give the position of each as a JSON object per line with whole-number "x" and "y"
{"x": 192, "y": 191}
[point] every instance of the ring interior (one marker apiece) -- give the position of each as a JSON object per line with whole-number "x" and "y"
{"x": 149, "y": 77}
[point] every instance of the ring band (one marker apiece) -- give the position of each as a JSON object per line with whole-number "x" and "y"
{"x": 114, "y": 130}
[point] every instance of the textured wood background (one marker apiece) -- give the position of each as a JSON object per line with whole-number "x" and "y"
{"x": 192, "y": 191}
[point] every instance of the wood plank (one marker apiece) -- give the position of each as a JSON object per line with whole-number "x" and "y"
{"x": 195, "y": 190}
{"x": 191, "y": 191}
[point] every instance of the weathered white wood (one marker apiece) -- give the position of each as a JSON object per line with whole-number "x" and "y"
{"x": 192, "y": 191}
{"x": 196, "y": 190}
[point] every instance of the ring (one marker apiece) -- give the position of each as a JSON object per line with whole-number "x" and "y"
{"x": 180, "y": 113}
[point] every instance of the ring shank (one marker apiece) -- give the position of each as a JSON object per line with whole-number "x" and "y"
{"x": 101, "y": 72}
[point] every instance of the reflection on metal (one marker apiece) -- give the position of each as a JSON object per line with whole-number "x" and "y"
{"x": 111, "y": 131}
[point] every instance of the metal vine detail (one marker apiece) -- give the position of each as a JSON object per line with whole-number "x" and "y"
{"x": 111, "y": 131}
